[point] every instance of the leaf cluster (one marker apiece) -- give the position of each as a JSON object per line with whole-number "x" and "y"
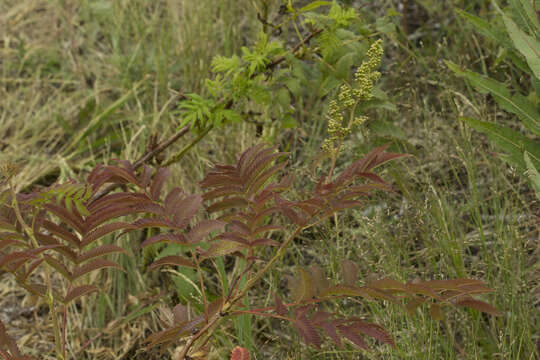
{"x": 251, "y": 203}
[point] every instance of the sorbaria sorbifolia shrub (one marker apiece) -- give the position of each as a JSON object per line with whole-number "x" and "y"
{"x": 61, "y": 230}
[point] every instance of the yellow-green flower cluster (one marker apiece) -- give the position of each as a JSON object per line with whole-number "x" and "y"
{"x": 348, "y": 97}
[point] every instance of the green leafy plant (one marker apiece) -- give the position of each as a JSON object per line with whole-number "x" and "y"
{"x": 248, "y": 197}
{"x": 519, "y": 38}
{"x": 266, "y": 80}
{"x": 250, "y": 212}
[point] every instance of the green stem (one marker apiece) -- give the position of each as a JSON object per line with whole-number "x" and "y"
{"x": 49, "y": 295}
{"x": 181, "y": 153}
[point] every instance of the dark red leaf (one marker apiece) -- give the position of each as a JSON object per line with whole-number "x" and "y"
{"x": 159, "y": 180}
{"x": 307, "y": 331}
{"x": 234, "y": 202}
{"x": 184, "y": 211}
{"x": 479, "y": 305}
{"x": 350, "y": 333}
{"x": 103, "y": 231}
{"x": 281, "y": 309}
{"x": 78, "y": 292}
{"x": 96, "y": 264}
{"x": 203, "y": 229}
{"x": 99, "y": 251}
{"x": 349, "y": 272}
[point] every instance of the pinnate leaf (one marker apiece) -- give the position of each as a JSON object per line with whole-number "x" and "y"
{"x": 159, "y": 180}
{"x": 436, "y": 312}
{"x": 478, "y": 305}
{"x": 203, "y": 229}
{"x": 281, "y": 309}
{"x": 93, "y": 265}
{"x": 349, "y": 272}
{"x": 78, "y": 292}
{"x": 307, "y": 331}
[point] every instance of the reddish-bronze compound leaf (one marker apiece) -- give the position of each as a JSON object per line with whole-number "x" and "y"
{"x": 173, "y": 260}
{"x": 258, "y": 163}
{"x": 420, "y": 288}
{"x": 239, "y": 227}
{"x": 412, "y": 305}
{"x": 23, "y": 255}
{"x": 377, "y": 157}
{"x": 78, "y": 292}
{"x": 228, "y": 203}
{"x": 240, "y": 353}
{"x": 454, "y": 284}
{"x": 237, "y": 237}
{"x": 31, "y": 268}
{"x": 479, "y": 305}
{"x": 266, "y": 228}
{"x": 375, "y": 331}
{"x": 388, "y": 285}
{"x": 364, "y": 291}
{"x": 58, "y": 266}
{"x": 36, "y": 289}
{"x": 7, "y": 343}
{"x": 203, "y": 229}
{"x": 99, "y": 251}
{"x": 11, "y": 242}
{"x": 221, "y": 179}
{"x": 351, "y": 333}
{"x": 280, "y": 308}
{"x": 103, "y": 231}
{"x": 61, "y": 232}
{"x": 174, "y": 333}
{"x": 153, "y": 222}
{"x": 320, "y": 280}
{"x": 302, "y": 287}
{"x": 159, "y": 180}
{"x": 93, "y": 265}
{"x": 172, "y": 199}
{"x": 221, "y": 248}
{"x": 72, "y": 219}
{"x": 184, "y": 211}
{"x": 320, "y": 317}
{"x": 330, "y": 330}
{"x": 180, "y": 313}
{"x": 121, "y": 175}
{"x": 124, "y": 198}
{"x": 146, "y": 176}
{"x": 228, "y": 190}
{"x": 307, "y": 331}
{"x": 255, "y": 185}
{"x": 436, "y": 312}
{"x": 62, "y": 249}
{"x": 285, "y": 208}
{"x": 349, "y": 272}
{"x": 247, "y": 157}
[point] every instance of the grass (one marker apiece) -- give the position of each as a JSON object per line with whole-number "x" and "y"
{"x": 69, "y": 69}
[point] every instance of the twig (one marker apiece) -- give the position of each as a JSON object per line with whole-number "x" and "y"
{"x": 147, "y": 156}
{"x": 295, "y": 49}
